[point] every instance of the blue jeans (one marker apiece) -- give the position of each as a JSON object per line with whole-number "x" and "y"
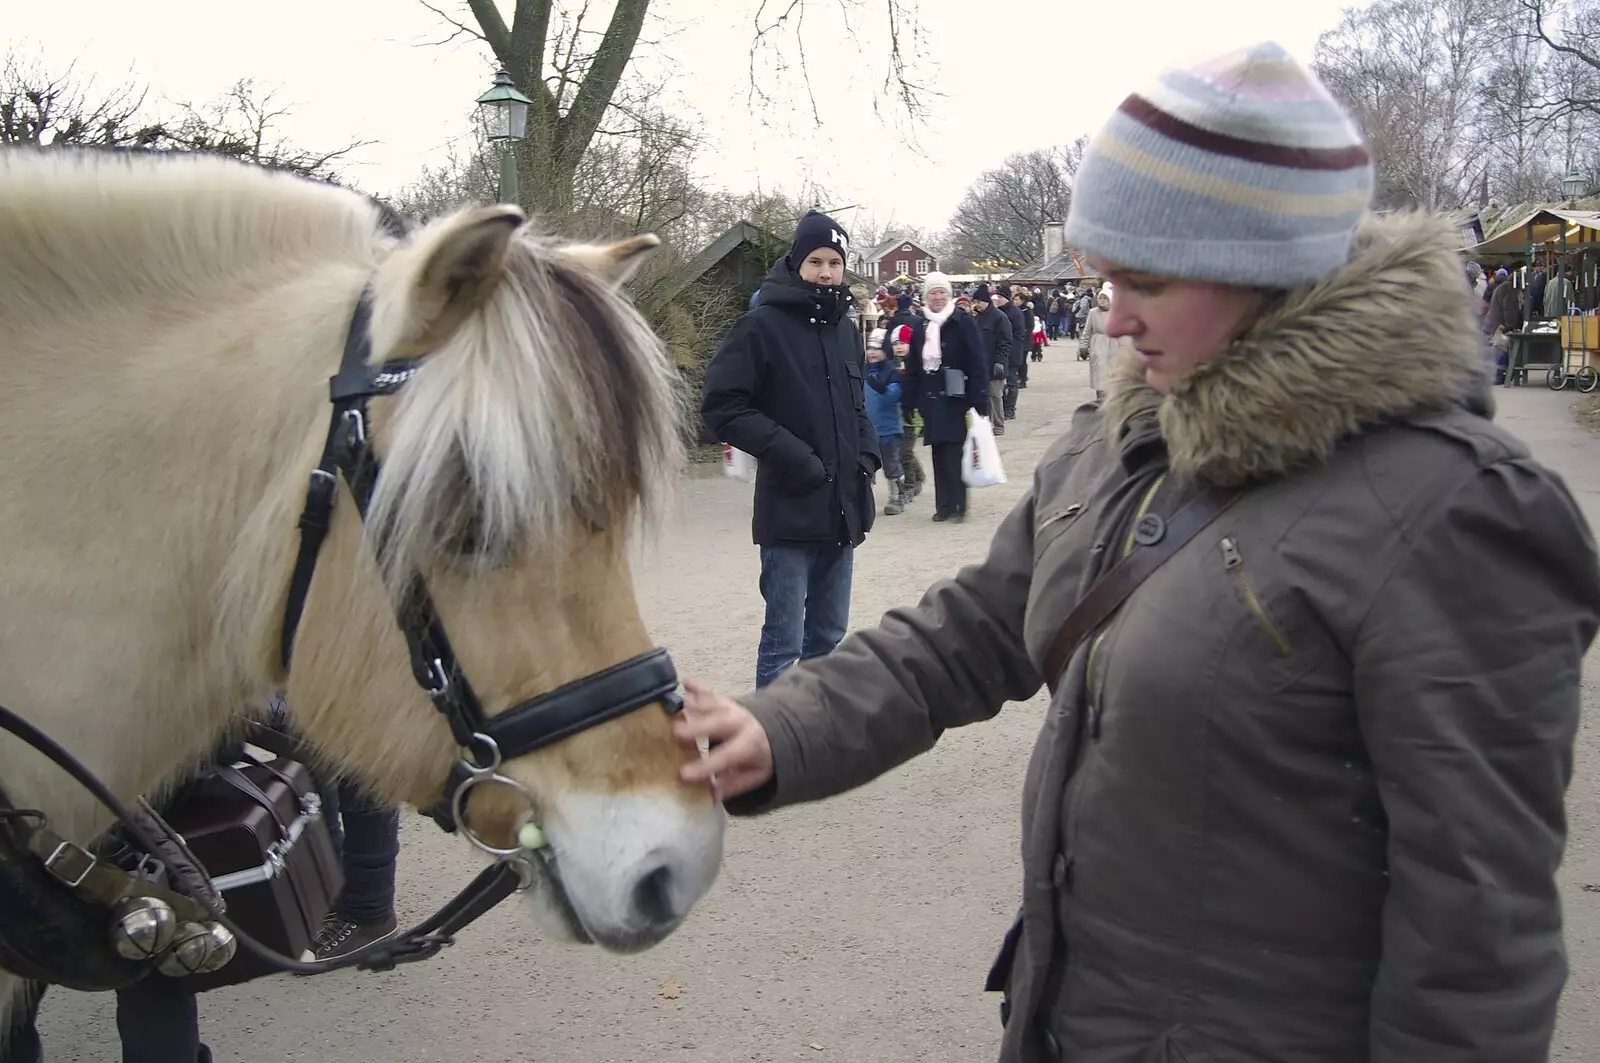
{"x": 807, "y": 589}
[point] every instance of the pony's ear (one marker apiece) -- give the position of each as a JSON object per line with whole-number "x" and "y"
{"x": 463, "y": 265}
{"x": 615, "y": 263}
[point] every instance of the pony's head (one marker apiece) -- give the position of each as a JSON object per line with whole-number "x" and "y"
{"x": 541, "y": 424}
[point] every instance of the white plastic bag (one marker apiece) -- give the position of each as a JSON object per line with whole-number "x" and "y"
{"x": 980, "y": 456}
{"x": 737, "y": 464}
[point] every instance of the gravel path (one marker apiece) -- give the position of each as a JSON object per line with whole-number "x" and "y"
{"x": 858, "y": 929}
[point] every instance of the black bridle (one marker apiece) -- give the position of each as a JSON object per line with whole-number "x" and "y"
{"x": 484, "y": 741}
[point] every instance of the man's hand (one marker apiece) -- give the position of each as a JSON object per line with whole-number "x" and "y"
{"x": 741, "y": 757}
{"x": 814, "y": 475}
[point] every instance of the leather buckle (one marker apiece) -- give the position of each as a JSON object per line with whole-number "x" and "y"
{"x": 70, "y": 863}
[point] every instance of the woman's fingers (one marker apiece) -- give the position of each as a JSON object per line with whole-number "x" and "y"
{"x": 740, "y": 757}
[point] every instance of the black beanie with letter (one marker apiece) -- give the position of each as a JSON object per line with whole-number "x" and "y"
{"x": 818, "y": 230}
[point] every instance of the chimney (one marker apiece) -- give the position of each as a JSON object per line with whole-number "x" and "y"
{"x": 1055, "y": 239}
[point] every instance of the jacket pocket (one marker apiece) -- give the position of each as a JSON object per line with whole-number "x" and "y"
{"x": 1233, "y": 562}
{"x": 797, "y": 486}
{"x": 857, "y": 386}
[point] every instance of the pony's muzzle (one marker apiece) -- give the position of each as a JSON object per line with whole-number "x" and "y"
{"x": 633, "y": 880}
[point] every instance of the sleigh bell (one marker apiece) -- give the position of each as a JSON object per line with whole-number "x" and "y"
{"x": 142, "y": 928}
{"x": 223, "y": 948}
{"x": 190, "y": 952}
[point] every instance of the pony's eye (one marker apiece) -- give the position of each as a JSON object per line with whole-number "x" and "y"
{"x": 465, "y": 539}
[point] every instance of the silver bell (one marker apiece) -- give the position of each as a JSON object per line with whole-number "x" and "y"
{"x": 142, "y": 928}
{"x": 191, "y": 947}
{"x": 223, "y": 948}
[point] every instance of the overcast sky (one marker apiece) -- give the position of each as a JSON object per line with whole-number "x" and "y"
{"x": 363, "y": 69}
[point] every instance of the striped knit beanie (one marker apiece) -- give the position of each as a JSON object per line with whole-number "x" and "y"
{"x": 1240, "y": 170}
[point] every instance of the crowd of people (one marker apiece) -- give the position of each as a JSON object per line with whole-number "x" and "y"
{"x": 935, "y": 359}
{"x": 1511, "y": 301}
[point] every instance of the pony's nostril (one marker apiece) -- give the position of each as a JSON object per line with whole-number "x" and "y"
{"x": 652, "y": 896}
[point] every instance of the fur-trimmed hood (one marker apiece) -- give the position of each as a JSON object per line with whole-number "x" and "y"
{"x": 1386, "y": 337}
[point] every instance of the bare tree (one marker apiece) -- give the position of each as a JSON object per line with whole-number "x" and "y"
{"x": 46, "y": 108}
{"x": 243, "y": 124}
{"x": 574, "y": 72}
{"x": 1515, "y": 127}
{"x": 779, "y": 27}
{"x": 462, "y": 178}
{"x": 1570, "y": 30}
{"x": 55, "y": 110}
{"x": 1410, "y": 71}
{"x": 1002, "y": 215}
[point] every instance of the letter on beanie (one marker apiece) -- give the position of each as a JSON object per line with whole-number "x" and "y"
{"x": 818, "y": 230}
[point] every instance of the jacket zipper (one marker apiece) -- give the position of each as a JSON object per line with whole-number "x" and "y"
{"x": 1094, "y": 646}
{"x": 833, "y": 408}
{"x": 1233, "y": 561}
{"x": 1066, "y": 514}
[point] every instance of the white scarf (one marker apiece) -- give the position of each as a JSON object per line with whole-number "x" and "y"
{"x": 931, "y": 354}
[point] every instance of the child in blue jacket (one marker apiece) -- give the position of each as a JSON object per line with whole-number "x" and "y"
{"x": 883, "y": 409}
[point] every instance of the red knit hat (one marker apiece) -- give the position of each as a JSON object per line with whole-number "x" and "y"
{"x": 902, "y": 334}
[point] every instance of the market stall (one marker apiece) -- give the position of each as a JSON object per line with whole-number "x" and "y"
{"x": 1565, "y": 243}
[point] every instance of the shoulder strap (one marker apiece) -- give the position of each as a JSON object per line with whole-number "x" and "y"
{"x": 1158, "y": 540}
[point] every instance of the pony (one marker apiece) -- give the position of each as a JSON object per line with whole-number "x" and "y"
{"x": 168, "y": 327}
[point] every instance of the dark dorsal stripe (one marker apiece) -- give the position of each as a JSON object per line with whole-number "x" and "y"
{"x": 1149, "y": 115}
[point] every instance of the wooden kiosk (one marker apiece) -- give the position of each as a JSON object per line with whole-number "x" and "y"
{"x": 1566, "y": 243}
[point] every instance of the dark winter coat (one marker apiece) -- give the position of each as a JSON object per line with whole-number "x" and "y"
{"x": 1536, "y": 287}
{"x": 995, "y": 327}
{"x": 944, "y": 416}
{"x": 1300, "y": 800}
{"x": 1021, "y": 334}
{"x": 786, "y": 386}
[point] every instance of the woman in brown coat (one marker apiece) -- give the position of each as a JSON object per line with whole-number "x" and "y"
{"x": 1300, "y": 798}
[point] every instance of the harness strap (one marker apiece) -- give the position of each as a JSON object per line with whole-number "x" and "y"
{"x": 98, "y": 881}
{"x": 1158, "y": 540}
{"x": 348, "y": 389}
{"x": 491, "y": 886}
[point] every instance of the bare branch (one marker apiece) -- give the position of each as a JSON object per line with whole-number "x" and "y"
{"x": 460, "y": 27}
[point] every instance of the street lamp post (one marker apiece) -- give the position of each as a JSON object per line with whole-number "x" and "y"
{"x": 1575, "y": 185}
{"x": 505, "y": 112}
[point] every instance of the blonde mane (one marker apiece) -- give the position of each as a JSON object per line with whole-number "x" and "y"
{"x": 552, "y": 411}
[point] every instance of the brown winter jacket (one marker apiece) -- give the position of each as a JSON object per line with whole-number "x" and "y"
{"x": 1301, "y": 799}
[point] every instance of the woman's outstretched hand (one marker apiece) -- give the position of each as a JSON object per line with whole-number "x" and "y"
{"x": 741, "y": 757}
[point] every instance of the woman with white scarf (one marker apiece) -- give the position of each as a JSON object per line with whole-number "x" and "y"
{"x": 945, "y": 376}
{"x": 1102, "y": 348}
